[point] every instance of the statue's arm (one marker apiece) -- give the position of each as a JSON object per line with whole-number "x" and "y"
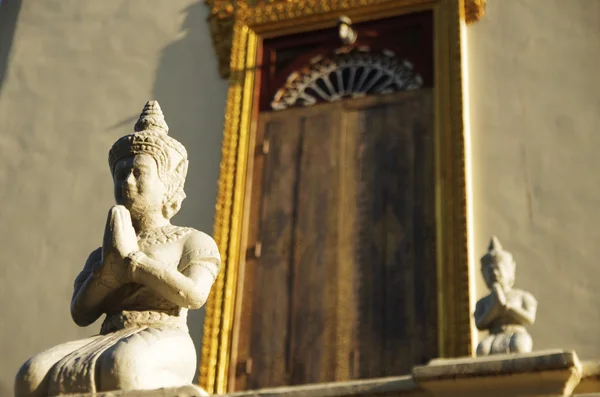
{"x": 89, "y": 292}
{"x": 524, "y": 314}
{"x": 189, "y": 285}
{"x": 484, "y": 313}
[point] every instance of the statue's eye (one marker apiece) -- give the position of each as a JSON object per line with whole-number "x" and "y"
{"x": 137, "y": 173}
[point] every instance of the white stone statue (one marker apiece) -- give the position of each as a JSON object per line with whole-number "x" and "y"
{"x": 505, "y": 311}
{"x": 145, "y": 277}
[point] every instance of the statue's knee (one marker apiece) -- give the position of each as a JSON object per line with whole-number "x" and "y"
{"x": 484, "y": 347}
{"x": 122, "y": 368}
{"x": 521, "y": 343}
{"x": 30, "y": 378}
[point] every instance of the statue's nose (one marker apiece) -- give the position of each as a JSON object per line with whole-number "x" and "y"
{"x": 130, "y": 180}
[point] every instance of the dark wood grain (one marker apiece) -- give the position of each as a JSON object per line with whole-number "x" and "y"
{"x": 424, "y": 220}
{"x": 369, "y": 254}
{"x": 397, "y": 167}
{"x": 270, "y": 309}
{"x": 241, "y": 357}
{"x": 396, "y": 236}
{"x": 315, "y": 256}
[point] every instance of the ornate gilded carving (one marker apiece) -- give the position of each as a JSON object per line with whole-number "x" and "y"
{"x": 221, "y": 30}
{"x": 216, "y": 325}
{"x": 253, "y": 23}
{"x": 474, "y": 10}
{"x": 223, "y": 13}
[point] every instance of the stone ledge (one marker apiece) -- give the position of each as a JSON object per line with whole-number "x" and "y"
{"x": 542, "y": 373}
{"x": 400, "y": 385}
{"x": 397, "y": 385}
{"x": 497, "y": 365}
{"x": 184, "y": 391}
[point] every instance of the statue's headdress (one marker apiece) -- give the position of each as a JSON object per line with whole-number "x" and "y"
{"x": 151, "y": 137}
{"x": 497, "y": 255}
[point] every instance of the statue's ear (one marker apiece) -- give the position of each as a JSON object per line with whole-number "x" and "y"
{"x": 181, "y": 169}
{"x": 172, "y": 207}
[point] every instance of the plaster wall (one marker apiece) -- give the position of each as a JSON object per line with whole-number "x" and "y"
{"x": 74, "y": 76}
{"x": 535, "y": 101}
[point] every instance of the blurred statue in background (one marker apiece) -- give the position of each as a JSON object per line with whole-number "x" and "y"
{"x": 505, "y": 311}
{"x": 145, "y": 277}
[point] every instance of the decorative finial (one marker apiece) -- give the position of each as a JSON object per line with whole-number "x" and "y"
{"x": 495, "y": 245}
{"x": 151, "y": 118}
{"x": 347, "y": 34}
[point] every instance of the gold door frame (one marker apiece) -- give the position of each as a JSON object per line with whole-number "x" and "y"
{"x": 455, "y": 270}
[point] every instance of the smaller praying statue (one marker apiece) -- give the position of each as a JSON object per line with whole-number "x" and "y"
{"x": 505, "y": 311}
{"x": 145, "y": 277}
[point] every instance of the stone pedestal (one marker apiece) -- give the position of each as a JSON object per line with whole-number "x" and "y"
{"x": 542, "y": 373}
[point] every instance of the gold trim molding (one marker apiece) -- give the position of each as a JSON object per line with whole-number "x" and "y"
{"x": 454, "y": 260}
{"x": 474, "y": 10}
{"x": 222, "y": 16}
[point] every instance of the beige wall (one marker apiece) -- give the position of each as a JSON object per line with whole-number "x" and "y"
{"x": 74, "y": 76}
{"x": 535, "y": 112}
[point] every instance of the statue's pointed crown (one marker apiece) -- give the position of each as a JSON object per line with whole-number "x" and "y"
{"x": 494, "y": 244}
{"x": 152, "y": 117}
{"x": 495, "y": 253}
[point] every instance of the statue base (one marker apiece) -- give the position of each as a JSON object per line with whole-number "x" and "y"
{"x": 184, "y": 391}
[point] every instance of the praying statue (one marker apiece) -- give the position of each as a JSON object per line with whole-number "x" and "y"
{"x": 505, "y": 311}
{"x": 145, "y": 277}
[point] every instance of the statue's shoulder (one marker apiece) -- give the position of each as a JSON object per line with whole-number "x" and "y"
{"x": 482, "y": 303}
{"x": 200, "y": 242}
{"x": 200, "y": 248}
{"x": 94, "y": 256}
{"x": 484, "y": 299}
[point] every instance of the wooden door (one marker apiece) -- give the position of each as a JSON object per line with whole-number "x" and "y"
{"x": 344, "y": 283}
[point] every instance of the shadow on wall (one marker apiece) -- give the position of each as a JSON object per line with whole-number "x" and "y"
{"x": 192, "y": 96}
{"x": 9, "y": 13}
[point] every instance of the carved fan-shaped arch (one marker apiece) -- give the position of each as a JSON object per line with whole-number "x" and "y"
{"x": 346, "y": 75}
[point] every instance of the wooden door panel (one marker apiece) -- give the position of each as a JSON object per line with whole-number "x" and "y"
{"x": 269, "y": 330}
{"x": 312, "y": 325}
{"x": 346, "y": 284}
{"x": 395, "y": 255}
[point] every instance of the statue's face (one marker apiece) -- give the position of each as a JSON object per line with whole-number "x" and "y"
{"x": 501, "y": 272}
{"x": 138, "y": 186}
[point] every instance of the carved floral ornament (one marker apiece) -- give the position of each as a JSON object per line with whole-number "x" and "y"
{"x": 222, "y": 15}
{"x": 353, "y": 74}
